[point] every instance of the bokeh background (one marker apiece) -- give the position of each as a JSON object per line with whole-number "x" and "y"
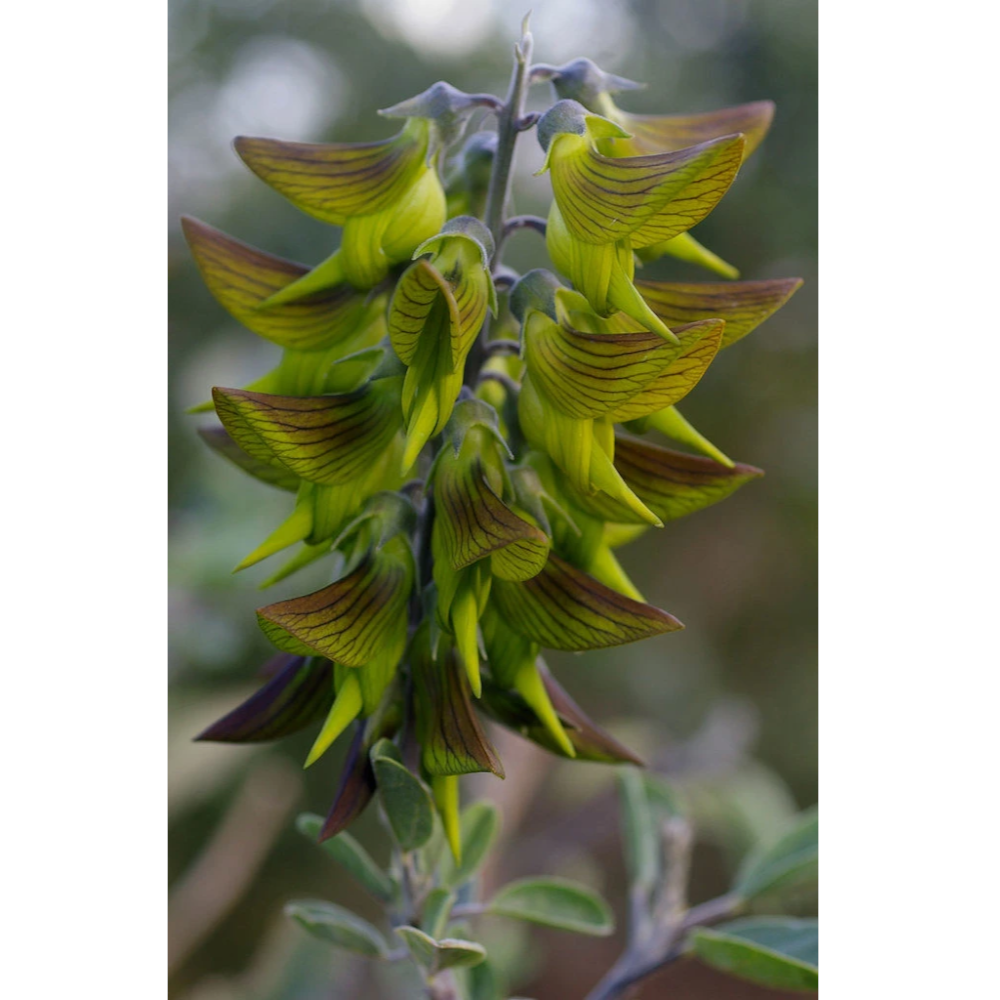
{"x": 726, "y": 708}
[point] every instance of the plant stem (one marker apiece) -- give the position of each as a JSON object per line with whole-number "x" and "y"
{"x": 510, "y": 122}
{"x": 508, "y": 125}
{"x": 642, "y": 960}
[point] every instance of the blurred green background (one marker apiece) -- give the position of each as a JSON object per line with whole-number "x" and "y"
{"x": 727, "y": 708}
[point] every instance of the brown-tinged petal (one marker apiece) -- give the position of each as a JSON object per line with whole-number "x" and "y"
{"x": 670, "y": 483}
{"x": 452, "y": 740}
{"x": 744, "y": 305}
{"x": 300, "y": 692}
{"x": 564, "y": 608}
{"x": 242, "y": 277}
{"x": 323, "y": 439}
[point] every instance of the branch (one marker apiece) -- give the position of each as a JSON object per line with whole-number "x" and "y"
{"x": 657, "y": 935}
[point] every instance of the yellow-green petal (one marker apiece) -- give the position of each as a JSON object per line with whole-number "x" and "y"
{"x": 563, "y": 608}
{"x": 345, "y": 709}
{"x": 334, "y": 182}
{"x": 743, "y": 305}
{"x": 700, "y": 343}
{"x": 242, "y": 278}
{"x": 350, "y": 621}
{"x": 328, "y": 440}
{"x": 670, "y": 483}
{"x": 604, "y": 199}
{"x": 475, "y": 522}
{"x": 663, "y": 133}
{"x": 591, "y": 374}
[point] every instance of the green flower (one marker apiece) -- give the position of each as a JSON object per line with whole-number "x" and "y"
{"x": 386, "y": 195}
{"x": 606, "y": 208}
{"x": 359, "y": 622}
{"x": 580, "y": 382}
{"x": 437, "y": 310}
{"x": 314, "y": 331}
{"x": 583, "y": 81}
{"x": 480, "y": 531}
{"x": 338, "y": 448}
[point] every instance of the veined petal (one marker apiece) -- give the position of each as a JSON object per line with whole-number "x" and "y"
{"x": 323, "y": 439}
{"x": 589, "y": 741}
{"x": 273, "y": 473}
{"x": 604, "y": 199}
{"x": 563, "y": 608}
{"x": 352, "y": 620}
{"x": 698, "y": 198}
{"x": 475, "y": 523}
{"x": 418, "y": 291}
{"x": 662, "y": 133}
{"x": 356, "y": 789}
{"x": 744, "y": 305}
{"x": 670, "y": 483}
{"x": 591, "y": 374}
{"x": 337, "y": 181}
{"x": 300, "y": 691}
{"x": 701, "y": 342}
{"x": 242, "y": 278}
{"x": 602, "y": 273}
{"x": 451, "y": 737}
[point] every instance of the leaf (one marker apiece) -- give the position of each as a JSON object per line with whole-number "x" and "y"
{"x": 641, "y": 839}
{"x": 300, "y": 692}
{"x": 777, "y": 952}
{"x": 604, "y": 199}
{"x": 350, "y": 621}
{"x": 659, "y": 133}
{"x": 407, "y": 803}
{"x": 563, "y": 608}
{"x": 273, "y": 473}
{"x": 480, "y": 827}
{"x": 791, "y": 861}
{"x": 328, "y": 440}
{"x": 338, "y": 926}
{"x": 677, "y": 379}
{"x": 437, "y": 910}
{"x": 436, "y": 956}
{"x": 671, "y": 484}
{"x": 241, "y": 278}
{"x": 452, "y": 740}
{"x": 483, "y": 982}
{"x": 349, "y": 854}
{"x": 554, "y": 902}
{"x": 455, "y": 953}
{"x": 474, "y": 522}
{"x": 744, "y": 305}
{"x": 337, "y": 181}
